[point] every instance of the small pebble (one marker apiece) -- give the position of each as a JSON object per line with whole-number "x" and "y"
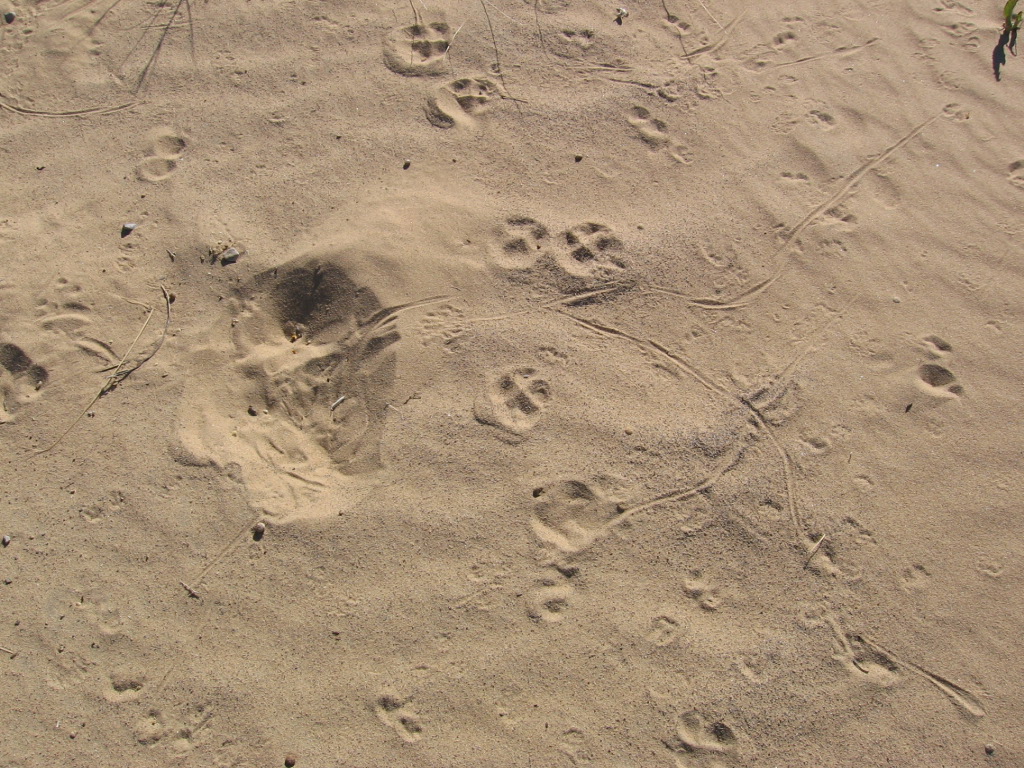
{"x": 9, "y": 17}
{"x": 258, "y": 530}
{"x": 990, "y": 749}
{"x": 127, "y": 229}
{"x": 406, "y": 164}
{"x": 230, "y": 256}
{"x": 289, "y": 761}
{"x": 5, "y": 540}
{"x": 579, "y": 158}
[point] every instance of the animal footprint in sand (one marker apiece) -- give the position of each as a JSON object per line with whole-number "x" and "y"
{"x": 1016, "y": 174}
{"x": 65, "y": 313}
{"x": 938, "y": 381}
{"x": 570, "y": 514}
{"x": 462, "y": 101}
{"x": 654, "y": 133}
{"x": 692, "y": 37}
{"x": 699, "y": 743}
{"x": 126, "y": 685}
{"x": 180, "y": 735}
{"x": 166, "y": 147}
{"x": 588, "y": 256}
{"x": 820, "y": 117}
{"x": 862, "y": 661}
{"x": 20, "y": 380}
{"x": 915, "y": 578}
{"x": 549, "y": 602}
{"x": 513, "y": 402}
{"x": 445, "y": 325}
{"x": 398, "y": 715}
{"x": 700, "y": 591}
{"x": 935, "y": 379}
{"x": 665, "y": 630}
{"x": 418, "y": 49}
{"x": 521, "y": 243}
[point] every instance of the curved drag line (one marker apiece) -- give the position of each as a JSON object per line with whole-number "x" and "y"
{"x": 4, "y": 104}
{"x": 851, "y": 181}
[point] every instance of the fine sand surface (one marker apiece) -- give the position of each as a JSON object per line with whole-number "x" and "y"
{"x": 575, "y": 393}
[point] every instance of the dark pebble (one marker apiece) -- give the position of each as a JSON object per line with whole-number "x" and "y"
{"x": 9, "y": 17}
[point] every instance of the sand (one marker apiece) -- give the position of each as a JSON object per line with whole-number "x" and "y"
{"x": 496, "y": 384}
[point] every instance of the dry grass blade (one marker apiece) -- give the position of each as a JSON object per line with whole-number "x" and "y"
{"x": 166, "y": 30}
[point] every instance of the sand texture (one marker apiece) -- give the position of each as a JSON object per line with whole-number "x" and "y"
{"x": 491, "y": 383}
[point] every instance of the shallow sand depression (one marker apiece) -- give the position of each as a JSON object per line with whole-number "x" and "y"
{"x": 500, "y": 384}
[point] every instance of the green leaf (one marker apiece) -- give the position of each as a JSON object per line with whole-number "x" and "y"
{"x": 1008, "y": 10}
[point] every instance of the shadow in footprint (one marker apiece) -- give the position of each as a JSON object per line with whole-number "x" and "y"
{"x": 310, "y": 336}
{"x": 20, "y": 380}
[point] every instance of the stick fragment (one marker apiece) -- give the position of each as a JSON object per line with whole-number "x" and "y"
{"x": 814, "y": 550}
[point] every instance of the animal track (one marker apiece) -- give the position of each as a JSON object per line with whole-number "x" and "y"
{"x": 462, "y": 101}
{"x": 549, "y": 603}
{"x": 418, "y": 49}
{"x": 125, "y": 685}
{"x": 587, "y": 256}
{"x": 582, "y": 38}
{"x": 916, "y": 578}
{"x": 582, "y": 258}
{"x": 964, "y": 31}
{"x": 445, "y": 325}
{"x": 570, "y": 514}
{"x": 654, "y": 133}
{"x": 867, "y": 661}
{"x": 821, "y": 119}
{"x": 665, "y": 630}
{"x": 936, "y": 347}
{"x": 20, "y": 380}
{"x": 1016, "y": 174}
{"x": 783, "y": 38}
{"x": 698, "y": 589}
{"x": 690, "y": 36}
{"x": 938, "y": 381}
{"x": 701, "y": 743}
{"x": 933, "y": 378}
{"x": 522, "y": 242}
{"x": 398, "y": 715}
{"x": 179, "y": 734}
{"x": 861, "y": 660}
{"x": 166, "y": 147}
{"x": 67, "y": 315}
{"x": 514, "y": 402}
